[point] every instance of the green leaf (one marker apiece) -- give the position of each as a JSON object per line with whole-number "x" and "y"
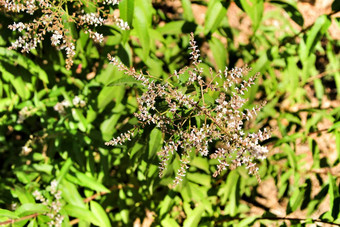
{"x": 169, "y": 222}
{"x": 91, "y": 183}
{"x": 333, "y": 191}
{"x": 188, "y": 15}
{"x": 201, "y": 163}
{"x": 225, "y": 190}
{"x": 64, "y": 169}
{"x": 70, "y": 193}
{"x": 337, "y": 143}
{"x": 31, "y": 208}
{"x": 155, "y": 142}
{"x": 82, "y": 213}
{"x": 219, "y": 51}
{"x": 171, "y": 28}
{"x": 199, "y": 178}
{"x": 335, "y": 126}
{"x": 254, "y": 9}
{"x": 100, "y": 213}
{"x": 7, "y": 213}
{"x": 126, "y": 80}
{"x": 313, "y": 146}
{"x": 126, "y": 12}
{"x": 23, "y": 195}
{"x": 314, "y": 35}
{"x": 296, "y": 199}
{"x": 110, "y": 94}
{"x": 142, "y": 29}
{"x": 291, "y": 9}
{"x": 214, "y": 15}
{"x": 78, "y": 115}
{"x": 194, "y": 218}
{"x": 126, "y": 9}
{"x": 234, "y": 199}
{"x": 291, "y": 156}
{"x": 319, "y": 89}
{"x": 15, "y": 58}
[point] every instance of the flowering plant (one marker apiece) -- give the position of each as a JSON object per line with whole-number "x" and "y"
{"x": 192, "y": 112}
{"x": 58, "y": 18}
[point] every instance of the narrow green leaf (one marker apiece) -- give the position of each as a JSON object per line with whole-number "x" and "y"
{"x": 188, "y": 15}
{"x": 219, "y": 51}
{"x": 171, "y": 28}
{"x": 141, "y": 26}
{"x": 15, "y": 58}
{"x": 78, "y": 115}
{"x": 319, "y": 89}
{"x": 126, "y": 9}
{"x": 64, "y": 169}
{"x": 91, "y": 183}
{"x": 154, "y": 142}
{"x": 7, "y": 213}
{"x": 333, "y": 191}
{"x": 126, "y": 80}
{"x": 100, "y": 213}
{"x": 31, "y": 208}
{"x": 291, "y": 9}
{"x": 70, "y": 193}
{"x": 214, "y": 15}
{"x": 126, "y": 12}
{"x": 254, "y": 9}
{"x": 82, "y": 214}
{"x": 314, "y": 35}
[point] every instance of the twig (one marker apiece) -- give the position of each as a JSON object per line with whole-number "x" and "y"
{"x": 282, "y": 219}
{"x": 319, "y": 76}
{"x": 288, "y": 40}
{"x": 12, "y": 221}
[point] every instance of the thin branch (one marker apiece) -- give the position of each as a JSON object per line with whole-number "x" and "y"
{"x": 301, "y": 220}
{"x": 12, "y": 221}
{"x": 290, "y": 39}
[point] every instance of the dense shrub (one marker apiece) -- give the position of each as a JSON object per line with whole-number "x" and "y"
{"x": 168, "y": 112}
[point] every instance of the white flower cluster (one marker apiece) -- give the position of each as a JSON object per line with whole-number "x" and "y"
{"x": 56, "y": 38}
{"x": 121, "y": 139}
{"x": 25, "y": 44}
{"x": 60, "y": 107}
{"x": 97, "y": 37}
{"x": 25, "y": 150}
{"x": 11, "y": 6}
{"x": 189, "y": 123}
{"x": 122, "y": 24}
{"x": 110, "y": 2}
{"x": 54, "y": 206}
{"x": 50, "y": 20}
{"x": 92, "y": 19}
{"x": 23, "y": 114}
{"x": 78, "y": 102}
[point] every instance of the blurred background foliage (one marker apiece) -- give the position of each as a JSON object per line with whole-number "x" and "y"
{"x": 295, "y": 45}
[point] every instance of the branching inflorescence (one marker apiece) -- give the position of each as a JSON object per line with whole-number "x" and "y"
{"x": 56, "y": 18}
{"x": 53, "y": 206}
{"x": 193, "y": 113}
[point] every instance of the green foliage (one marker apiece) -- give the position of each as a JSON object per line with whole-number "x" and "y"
{"x": 119, "y": 186}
